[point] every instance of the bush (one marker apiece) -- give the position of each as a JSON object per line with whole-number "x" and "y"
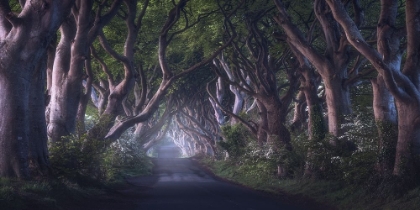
{"x": 235, "y": 140}
{"x": 76, "y": 156}
{"x": 126, "y": 157}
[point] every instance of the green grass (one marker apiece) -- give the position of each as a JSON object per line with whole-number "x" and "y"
{"x": 338, "y": 194}
{"x": 55, "y": 193}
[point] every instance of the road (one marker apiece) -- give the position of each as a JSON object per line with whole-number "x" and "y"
{"x": 179, "y": 184}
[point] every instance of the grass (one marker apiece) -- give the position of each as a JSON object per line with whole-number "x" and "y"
{"x": 58, "y": 192}
{"x": 339, "y": 195}
{"x": 16, "y": 194}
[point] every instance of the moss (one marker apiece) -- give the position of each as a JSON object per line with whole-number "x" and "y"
{"x": 235, "y": 140}
{"x": 317, "y": 121}
{"x": 388, "y": 136}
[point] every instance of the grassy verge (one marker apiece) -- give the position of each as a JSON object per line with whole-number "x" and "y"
{"x": 56, "y": 193}
{"x": 338, "y": 195}
{"x": 15, "y": 194}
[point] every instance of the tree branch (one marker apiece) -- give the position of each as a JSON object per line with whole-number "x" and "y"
{"x": 356, "y": 39}
{"x": 247, "y": 124}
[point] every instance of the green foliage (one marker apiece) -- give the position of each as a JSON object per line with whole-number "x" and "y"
{"x": 257, "y": 173}
{"x": 358, "y": 168}
{"x": 37, "y": 187}
{"x": 388, "y": 135}
{"x": 318, "y": 127}
{"x": 76, "y": 157}
{"x": 205, "y": 35}
{"x": 6, "y": 191}
{"x": 126, "y": 157}
{"x": 24, "y": 194}
{"x": 235, "y": 140}
{"x": 81, "y": 167}
{"x": 337, "y": 194}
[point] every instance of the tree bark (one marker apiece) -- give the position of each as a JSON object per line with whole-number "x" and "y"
{"x": 332, "y": 66}
{"x": 77, "y": 35}
{"x": 386, "y": 121}
{"x": 388, "y": 41}
{"x": 316, "y": 127}
{"x": 25, "y": 38}
{"x": 299, "y": 113}
{"x": 14, "y": 123}
{"x": 38, "y": 150}
{"x": 408, "y": 145}
{"x": 220, "y": 90}
{"x": 62, "y": 107}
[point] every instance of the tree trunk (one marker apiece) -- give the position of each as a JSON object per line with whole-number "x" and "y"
{"x": 332, "y": 66}
{"x": 408, "y": 145}
{"x": 140, "y": 128}
{"x": 65, "y": 88}
{"x": 299, "y": 115}
{"x": 338, "y": 105}
{"x": 38, "y": 154}
{"x": 278, "y": 136}
{"x": 316, "y": 127}
{"x": 263, "y": 124}
{"x": 25, "y": 38}
{"x": 84, "y": 99}
{"x": 384, "y": 108}
{"x": 386, "y": 121}
{"x": 238, "y": 104}
{"x": 115, "y": 98}
{"x": 14, "y": 124}
{"x": 77, "y": 35}
{"x": 403, "y": 85}
{"x": 220, "y": 92}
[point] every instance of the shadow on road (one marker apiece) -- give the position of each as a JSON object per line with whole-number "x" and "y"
{"x": 181, "y": 184}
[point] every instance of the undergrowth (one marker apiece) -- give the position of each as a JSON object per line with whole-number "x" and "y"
{"x": 80, "y": 168}
{"x": 338, "y": 194}
{"x": 344, "y": 175}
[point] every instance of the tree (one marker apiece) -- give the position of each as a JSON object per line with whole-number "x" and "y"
{"x": 315, "y": 126}
{"x": 402, "y": 83}
{"x": 254, "y": 68}
{"x": 25, "y": 37}
{"x": 78, "y": 33}
{"x": 332, "y": 67}
{"x": 169, "y": 76}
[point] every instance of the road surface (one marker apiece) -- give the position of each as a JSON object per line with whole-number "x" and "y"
{"x": 179, "y": 184}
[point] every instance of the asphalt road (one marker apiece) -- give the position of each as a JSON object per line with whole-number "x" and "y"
{"x": 179, "y": 184}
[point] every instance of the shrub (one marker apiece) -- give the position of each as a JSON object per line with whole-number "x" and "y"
{"x": 125, "y": 157}
{"x": 235, "y": 140}
{"x": 76, "y": 156}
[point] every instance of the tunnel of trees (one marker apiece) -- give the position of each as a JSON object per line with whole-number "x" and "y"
{"x": 329, "y": 90}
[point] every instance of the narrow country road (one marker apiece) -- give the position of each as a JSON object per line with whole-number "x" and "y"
{"x": 178, "y": 184}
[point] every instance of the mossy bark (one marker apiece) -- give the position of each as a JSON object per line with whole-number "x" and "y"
{"x": 387, "y": 142}
{"x": 316, "y": 133}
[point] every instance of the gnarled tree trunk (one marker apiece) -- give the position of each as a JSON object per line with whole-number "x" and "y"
{"x": 386, "y": 122}
{"x": 77, "y": 35}
{"x": 25, "y": 38}
{"x": 38, "y": 151}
